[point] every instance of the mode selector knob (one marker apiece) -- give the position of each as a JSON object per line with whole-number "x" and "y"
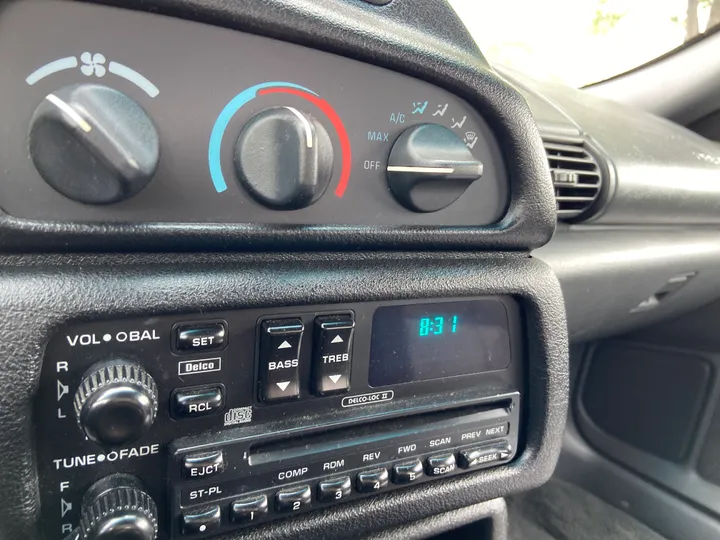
{"x": 116, "y": 403}
{"x": 284, "y": 158}
{"x": 93, "y": 144}
{"x": 117, "y": 508}
{"x": 430, "y": 167}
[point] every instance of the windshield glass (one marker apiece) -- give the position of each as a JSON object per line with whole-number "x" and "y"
{"x": 580, "y": 42}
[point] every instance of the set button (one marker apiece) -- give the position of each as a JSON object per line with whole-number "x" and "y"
{"x": 249, "y": 509}
{"x": 200, "y": 337}
{"x": 293, "y": 499}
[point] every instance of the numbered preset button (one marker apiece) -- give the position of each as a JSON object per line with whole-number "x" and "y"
{"x": 334, "y": 489}
{"x": 293, "y": 499}
{"x": 372, "y": 480}
{"x": 249, "y": 509}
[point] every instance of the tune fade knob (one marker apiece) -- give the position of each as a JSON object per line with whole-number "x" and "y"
{"x": 430, "y": 167}
{"x": 284, "y": 158}
{"x": 116, "y": 508}
{"x": 116, "y": 403}
{"x": 93, "y": 144}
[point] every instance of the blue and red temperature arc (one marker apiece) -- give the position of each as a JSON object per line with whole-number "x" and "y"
{"x": 247, "y": 95}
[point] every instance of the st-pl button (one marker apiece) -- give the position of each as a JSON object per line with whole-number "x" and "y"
{"x": 280, "y": 342}
{"x": 332, "y": 354}
{"x": 201, "y": 521}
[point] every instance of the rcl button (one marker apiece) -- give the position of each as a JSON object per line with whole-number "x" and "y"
{"x": 203, "y": 465}
{"x": 194, "y": 402}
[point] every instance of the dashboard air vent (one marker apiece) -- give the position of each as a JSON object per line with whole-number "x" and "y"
{"x": 576, "y": 176}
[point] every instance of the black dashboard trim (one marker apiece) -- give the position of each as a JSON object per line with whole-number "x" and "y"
{"x": 423, "y": 39}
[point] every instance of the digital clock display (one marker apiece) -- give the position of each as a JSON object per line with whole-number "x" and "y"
{"x": 431, "y": 341}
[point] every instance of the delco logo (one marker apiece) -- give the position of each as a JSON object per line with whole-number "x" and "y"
{"x": 84, "y": 340}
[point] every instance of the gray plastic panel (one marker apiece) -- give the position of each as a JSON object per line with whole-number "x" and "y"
{"x": 605, "y": 273}
{"x": 200, "y": 84}
{"x": 666, "y": 174}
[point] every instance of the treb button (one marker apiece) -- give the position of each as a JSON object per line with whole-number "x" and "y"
{"x": 280, "y": 343}
{"x": 332, "y": 354}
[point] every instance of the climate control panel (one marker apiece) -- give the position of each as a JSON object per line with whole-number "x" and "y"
{"x": 204, "y": 423}
{"x": 218, "y": 126}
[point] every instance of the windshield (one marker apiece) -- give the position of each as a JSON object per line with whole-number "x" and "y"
{"x": 580, "y": 42}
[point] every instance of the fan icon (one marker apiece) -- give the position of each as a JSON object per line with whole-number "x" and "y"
{"x": 93, "y": 64}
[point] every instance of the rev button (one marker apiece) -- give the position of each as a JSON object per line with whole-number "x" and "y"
{"x": 280, "y": 342}
{"x": 332, "y": 354}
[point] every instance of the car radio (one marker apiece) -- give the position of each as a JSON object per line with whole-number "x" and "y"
{"x": 191, "y": 425}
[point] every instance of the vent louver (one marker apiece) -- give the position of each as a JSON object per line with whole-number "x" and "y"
{"x": 576, "y": 175}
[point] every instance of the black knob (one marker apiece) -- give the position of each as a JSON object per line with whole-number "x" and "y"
{"x": 116, "y": 403}
{"x": 93, "y": 144}
{"x": 116, "y": 508}
{"x": 430, "y": 168}
{"x": 284, "y": 158}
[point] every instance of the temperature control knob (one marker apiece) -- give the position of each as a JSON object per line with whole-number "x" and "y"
{"x": 116, "y": 403}
{"x": 284, "y": 158}
{"x": 93, "y": 144}
{"x": 430, "y": 168}
{"x": 116, "y": 508}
